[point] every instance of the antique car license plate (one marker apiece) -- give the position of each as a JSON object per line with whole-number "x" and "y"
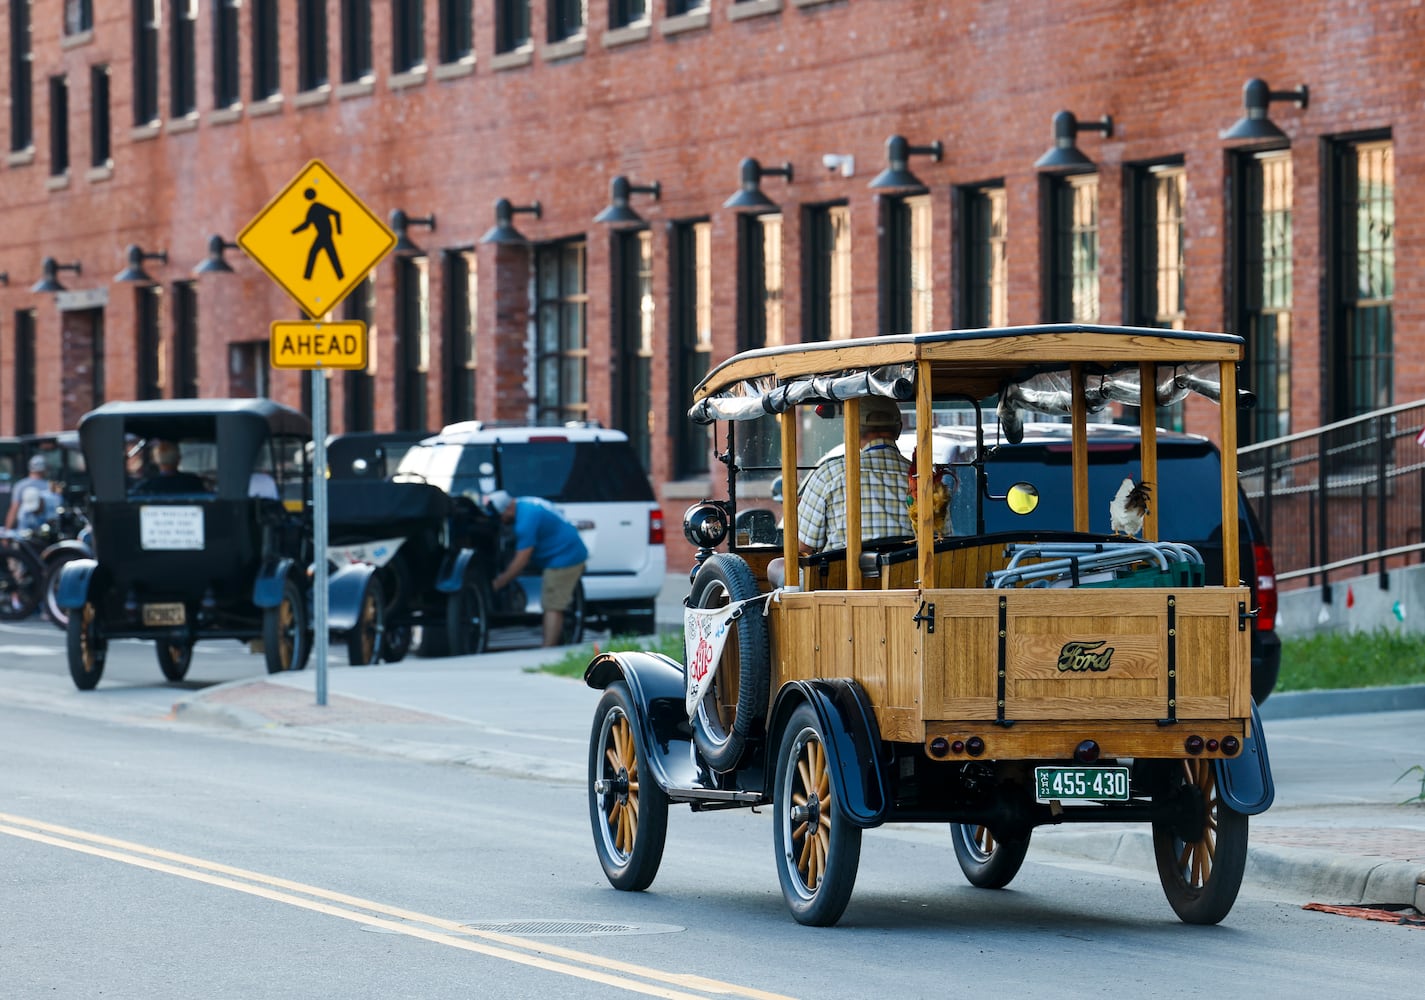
{"x": 1081, "y": 784}
{"x": 164, "y": 614}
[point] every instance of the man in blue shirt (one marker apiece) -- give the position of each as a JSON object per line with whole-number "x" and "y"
{"x": 546, "y": 542}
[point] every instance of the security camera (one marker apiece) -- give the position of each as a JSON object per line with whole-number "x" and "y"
{"x": 845, "y": 162}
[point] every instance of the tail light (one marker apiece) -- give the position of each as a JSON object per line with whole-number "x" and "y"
{"x": 655, "y": 533}
{"x": 1266, "y": 572}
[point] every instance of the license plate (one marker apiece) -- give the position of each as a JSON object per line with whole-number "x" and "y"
{"x": 1081, "y": 784}
{"x": 163, "y": 614}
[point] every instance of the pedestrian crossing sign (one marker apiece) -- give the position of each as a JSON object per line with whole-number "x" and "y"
{"x": 316, "y": 239}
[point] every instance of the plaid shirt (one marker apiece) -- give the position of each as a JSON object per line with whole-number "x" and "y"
{"x": 821, "y": 508}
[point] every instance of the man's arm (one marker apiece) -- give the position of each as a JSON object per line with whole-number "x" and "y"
{"x": 519, "y": 562}
{"x": 14, "y": 509}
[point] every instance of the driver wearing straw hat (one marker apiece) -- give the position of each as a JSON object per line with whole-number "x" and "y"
{"x": 821, "y": 506}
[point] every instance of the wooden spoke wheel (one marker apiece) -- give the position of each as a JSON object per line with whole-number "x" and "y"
{"x": 363, "y": 642}
{"x": 175, "y": 656}
{"x": 988, "y": 863}
{"x": 818, "y": 851}
{"x": 86, "y": 647}
{"x": 286, "y": 640}
{"x": 627, "y": 807}
{"x": 1200, "y": 863}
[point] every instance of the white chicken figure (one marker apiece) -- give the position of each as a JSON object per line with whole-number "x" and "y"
{"x": 1128, "y": 508}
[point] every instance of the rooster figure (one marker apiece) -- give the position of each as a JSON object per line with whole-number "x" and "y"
{"x": 1128, "y": 508}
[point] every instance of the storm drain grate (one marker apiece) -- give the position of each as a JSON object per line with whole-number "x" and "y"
{"x": 580, "y": 928}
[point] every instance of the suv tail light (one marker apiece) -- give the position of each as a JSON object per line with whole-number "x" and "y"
{"x": 655, "y": 531}
{"x": 1266, "y": 572}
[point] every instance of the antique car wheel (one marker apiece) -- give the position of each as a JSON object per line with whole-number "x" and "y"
{"x": 395, "y": 643}
{"x": 21, "y": 582}
{"x": 1201, "y": 870}
{"x": 363, "y": 642}
{"x": 734, "y": 705}
{"x": 285, "y": 638}
{"x": 627, "y": 807}
{"x": 818, "y": 851}
{"x": 57, "y": 614}
{"x": 987, "y": 862}
{"x": 467, "y": 618}
{"x": 174, "y": 658}
{"x": 86, "y": 647}
{"x": 574, "y": 618}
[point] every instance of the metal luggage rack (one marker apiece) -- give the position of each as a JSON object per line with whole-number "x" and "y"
{"x": 1107, "y": 564}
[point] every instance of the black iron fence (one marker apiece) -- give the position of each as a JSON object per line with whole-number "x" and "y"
{"x": 1336, "y": 500}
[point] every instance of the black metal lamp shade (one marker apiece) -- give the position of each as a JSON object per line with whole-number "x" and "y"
{"x": 1065, "y": 156}
{"x": 897, "y": 176}
{"x": 1254, "y": 125}
{"x": 749, "y": 197}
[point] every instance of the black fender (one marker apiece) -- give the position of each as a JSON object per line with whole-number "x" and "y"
{"x": 452, "y": 571}
{"x": 346, "y": 592}
{"x": 1245, "y": 781}
{"x": 853, "y": 744}
{"x": 656, "y": 687}
{"x": 74, "y": 582}
{"x": 267, "y": 587}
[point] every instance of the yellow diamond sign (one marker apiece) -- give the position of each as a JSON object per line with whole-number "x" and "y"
{"x": 315, "y": 344}
{"x": 316, "y": 239}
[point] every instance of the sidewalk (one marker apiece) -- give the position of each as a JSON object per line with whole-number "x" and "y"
{"x": 1337, "y": 833}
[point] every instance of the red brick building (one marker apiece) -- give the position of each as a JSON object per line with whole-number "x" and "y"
{"x": 167, "y": 126}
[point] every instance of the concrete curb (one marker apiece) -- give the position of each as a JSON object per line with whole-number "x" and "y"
{"x": 1310, "y": 704}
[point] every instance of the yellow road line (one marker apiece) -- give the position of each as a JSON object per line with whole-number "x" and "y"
{"x": 227, "y": 876}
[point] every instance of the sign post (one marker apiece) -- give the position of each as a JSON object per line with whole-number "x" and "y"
{"x": 318, "y": 242}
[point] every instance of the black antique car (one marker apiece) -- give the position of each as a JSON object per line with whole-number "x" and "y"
{"x": 216, "y": 546}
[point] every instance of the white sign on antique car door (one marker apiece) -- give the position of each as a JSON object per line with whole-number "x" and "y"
{"x": 171, "y": 528}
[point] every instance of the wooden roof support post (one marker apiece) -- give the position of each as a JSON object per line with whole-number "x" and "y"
{"x": 924, "y": 478}
{"x": 1227, "y": 404}
{"x": 1080, "y": 454}
{"x": 852, "y": 429}
{"x": 1148, "y": 453}
{"x": 791, "y": 554}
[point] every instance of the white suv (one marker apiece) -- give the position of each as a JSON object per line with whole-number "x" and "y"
{"x": 592, "y": 475}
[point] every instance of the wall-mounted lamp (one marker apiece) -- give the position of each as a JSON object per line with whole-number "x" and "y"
{"x": 49, "y": 275}
{"x": 618, "y": 214}
{"x": 897, "y": 175}
{"x": 1254, "y": 123}
{"x": 134, "y": 271}
{"x": 400, "y": 222}
{"x": 504, "y": 231}
{"x": 749, "y": 197}
{"x": 844, "y": 162}
{"x": 1064, "y": 156}
{"x": 214, "y": 263}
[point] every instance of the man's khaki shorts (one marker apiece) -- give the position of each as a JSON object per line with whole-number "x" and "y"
{"x": 559, "y": 587}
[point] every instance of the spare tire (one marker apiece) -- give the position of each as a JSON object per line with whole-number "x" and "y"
{"x": 733, "y": 709}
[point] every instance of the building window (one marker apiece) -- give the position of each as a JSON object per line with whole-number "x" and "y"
{"x": 457, "y": 33}
{"x": 906, "y": 283}
{"x": 25, "y": 392}
{"x": 561, "y": 346}
{"x": 1263, "y": 242}
{"x": 984, "y": 295}
{"x": 760, "y": 323}
{"x": 148, "y": 301}
{"x": 359, "y": 391}
{"x": 1361, "y": 278}
{"x": 566, "y": 19}
{"x": 101, "y": 150}
{"x": 1073, "y": 266}
{"x": 677, "y": 7}
{"x": 412, "y": 341}
{"x": 185, "y": 340}
{"x": 511, "y": 25}
{"x": 58, "y": 126}
{"x": 1157, "y": 296}
{"x": 355, "y": 40}
{"x": 312, "y": 45}
{"x": 78, "y": 16}
{"x": 225, "y": 53}
{"x": 633, "y": 340}
{"x": 690, "y": 316}
{"x": 22, "y": 121}
{"x": 827, "y": 238}
{"x": 248, "y": 373}
{"x": 266, "y": 53}
{"x": 145, "y": 61}
{"x": 408, "y": 45}
{"x": 183, "y": 56}
{"x": 622, "y": 13}
{"x": 460, "y": 335}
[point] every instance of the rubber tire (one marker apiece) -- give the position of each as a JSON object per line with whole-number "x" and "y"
{"x": 575, "y": 618}
{"x": 467, "y": 619}
{"x": 174, "y": 667}
{"x": 364, "y": 640}
{"x": 636, "y": 807}
{"x": 395, "y": 643}
{"x": 721, "y": 580}
{"x": 86, "y": 648}
{"x": 56, "y": 614}
{"x": 991, "y": 865}
{"x": 22, "y": 582}
{"x": 286, "y": 641}
{"x": 432, "y": 641}
{"x": 1205, "y": 896}
{"x": 820, "y": 900}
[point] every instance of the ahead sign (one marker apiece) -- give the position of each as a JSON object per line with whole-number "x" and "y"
{"x": 298, "y": 344}
{"x": 316, "y": 239}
